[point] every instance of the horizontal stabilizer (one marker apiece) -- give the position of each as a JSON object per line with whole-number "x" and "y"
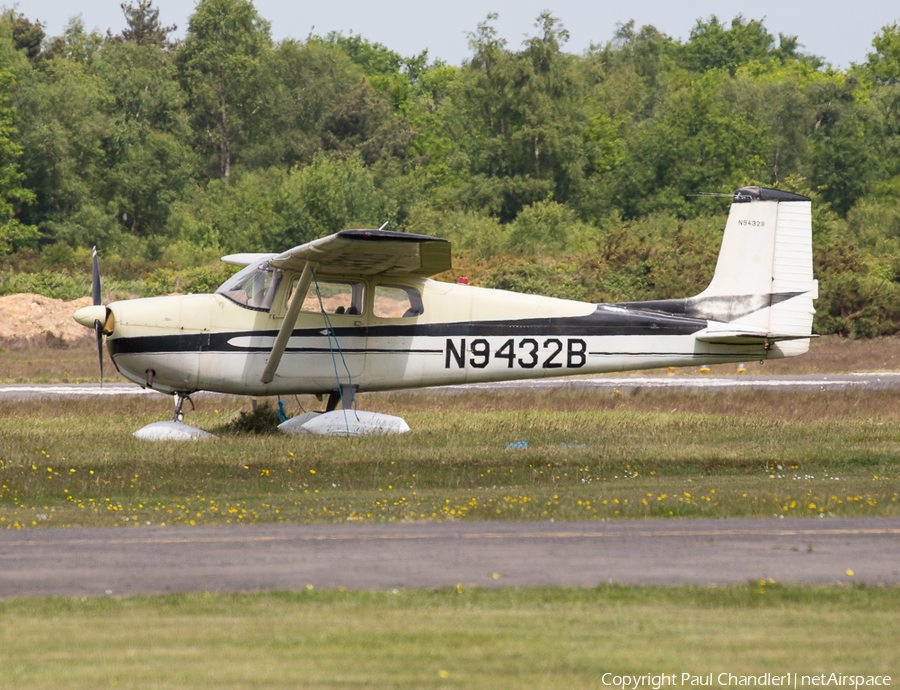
{"x": 743, "y": 336}
{"x": 245, "y": 259}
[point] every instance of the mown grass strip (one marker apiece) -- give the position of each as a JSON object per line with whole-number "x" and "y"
{"x": 464, "y": 637}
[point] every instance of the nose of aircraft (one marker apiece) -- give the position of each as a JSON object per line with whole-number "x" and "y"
{"x": 87, "y": 315}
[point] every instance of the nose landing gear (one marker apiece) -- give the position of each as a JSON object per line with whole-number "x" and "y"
{"x": 179, "y": 401}
{"x": 176, "y": 430}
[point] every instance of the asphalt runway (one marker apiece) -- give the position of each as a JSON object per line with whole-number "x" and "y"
{"x": 124, "y": 561}
{"x": 609, "y": 384}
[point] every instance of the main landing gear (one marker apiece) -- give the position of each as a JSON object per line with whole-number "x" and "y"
{"x": 344, "y": 422}
{"x": 346, "y": 396}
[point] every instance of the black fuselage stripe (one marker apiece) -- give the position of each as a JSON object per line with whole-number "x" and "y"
{"x": 637, "y": 319}
{"x": 401, "y": 351}
{"x": 602, "y": 322}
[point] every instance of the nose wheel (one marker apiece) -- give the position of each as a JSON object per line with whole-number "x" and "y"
{"x": 179, "y": 402}
{"x": 176, "y": 430}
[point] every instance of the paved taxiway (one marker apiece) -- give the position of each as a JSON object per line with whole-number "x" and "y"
{"x": 121, "y": 561}
{"x": 609, "y": 384}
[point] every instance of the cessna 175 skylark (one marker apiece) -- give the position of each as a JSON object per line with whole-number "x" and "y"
{"x": 356, "y": 311}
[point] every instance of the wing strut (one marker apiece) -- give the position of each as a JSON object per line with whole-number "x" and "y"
{"x": 287, "y": 327}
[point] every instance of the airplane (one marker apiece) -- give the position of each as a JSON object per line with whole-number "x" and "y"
{"x": 358, "y": 311}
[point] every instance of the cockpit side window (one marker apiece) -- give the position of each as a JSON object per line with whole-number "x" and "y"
{"x": 397, "y": 302}
{"x": 254, "y": 287}
{"x": 338, "y": 297}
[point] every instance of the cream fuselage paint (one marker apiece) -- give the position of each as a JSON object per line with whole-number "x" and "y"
{"x": 465, "y": 334}
{"x": 758, "y": 305}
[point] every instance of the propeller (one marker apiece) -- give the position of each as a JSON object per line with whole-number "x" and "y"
{"x": 96, "y": 316}
{"x": 98, "y": 327}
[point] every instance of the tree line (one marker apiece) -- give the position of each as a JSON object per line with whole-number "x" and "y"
{"x": 566, "y": 174}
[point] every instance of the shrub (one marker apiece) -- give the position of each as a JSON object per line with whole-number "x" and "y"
{"x": 262, "y": 420}
{"x": 553, "y": 280}
{"x": 47, "y": 283}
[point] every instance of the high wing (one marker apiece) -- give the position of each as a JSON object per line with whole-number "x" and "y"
{"x": 367, "y": 252}
{"x": 354, "y": 252}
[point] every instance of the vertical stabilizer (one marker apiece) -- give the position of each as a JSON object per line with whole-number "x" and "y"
{"x": 763, "y": 279}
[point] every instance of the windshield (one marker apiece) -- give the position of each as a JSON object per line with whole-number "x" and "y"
{"x": 254, "y": 286}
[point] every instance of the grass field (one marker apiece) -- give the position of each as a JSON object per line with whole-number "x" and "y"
{"x": 469, "y": 638}
{"x": 588, "y": 456}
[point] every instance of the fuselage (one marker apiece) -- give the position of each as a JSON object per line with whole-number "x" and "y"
{"x": 449, "y": 334}
{"x": 373, "y": 320}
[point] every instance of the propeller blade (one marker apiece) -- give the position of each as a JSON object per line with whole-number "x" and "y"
{"x": 98, "y": 329}
{"x": 95, "y": 279}
{"x": 98, "y": 299}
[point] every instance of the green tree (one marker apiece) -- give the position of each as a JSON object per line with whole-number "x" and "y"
{"x": 106, "y": 140}
{"x": 546, "y": 229}
{"x": 63, "y": 131}
{"x": 518, "y": 119}
{"x": 387, "y": 71}
{"x": 318, "y": 100}
{"x": 331, "y": 194}
{"x": 843, "y": 153}
{"x": 374, "y": 58}
{"x": 779, "y": 98}
{"x": 435, "y": 150}
{"x": 223, "y": 66}
{"x": 884, "y": 63}
{"x": 275, "y": 209}
{"x": 632, "y": 69}
{"x": 308, "y": 81}
{"x": 712, "y": 45}
{"x": 13, "y": 233}
{"x": 143, "y": 24}
{"x": 26, "y": 36}
{"x": 362, "y": 120}
{"x": 698, "y": 143}
{"x": 148, "y": 158}
{"x": 77, "y": 45}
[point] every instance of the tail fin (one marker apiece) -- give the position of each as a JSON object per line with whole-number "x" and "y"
{"x": 763, "y": 286}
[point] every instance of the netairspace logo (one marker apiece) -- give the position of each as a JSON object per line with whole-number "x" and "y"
{"x": 787, "y": 680}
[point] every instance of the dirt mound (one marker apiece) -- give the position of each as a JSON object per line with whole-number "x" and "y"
{"x": 29, "y": 320}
